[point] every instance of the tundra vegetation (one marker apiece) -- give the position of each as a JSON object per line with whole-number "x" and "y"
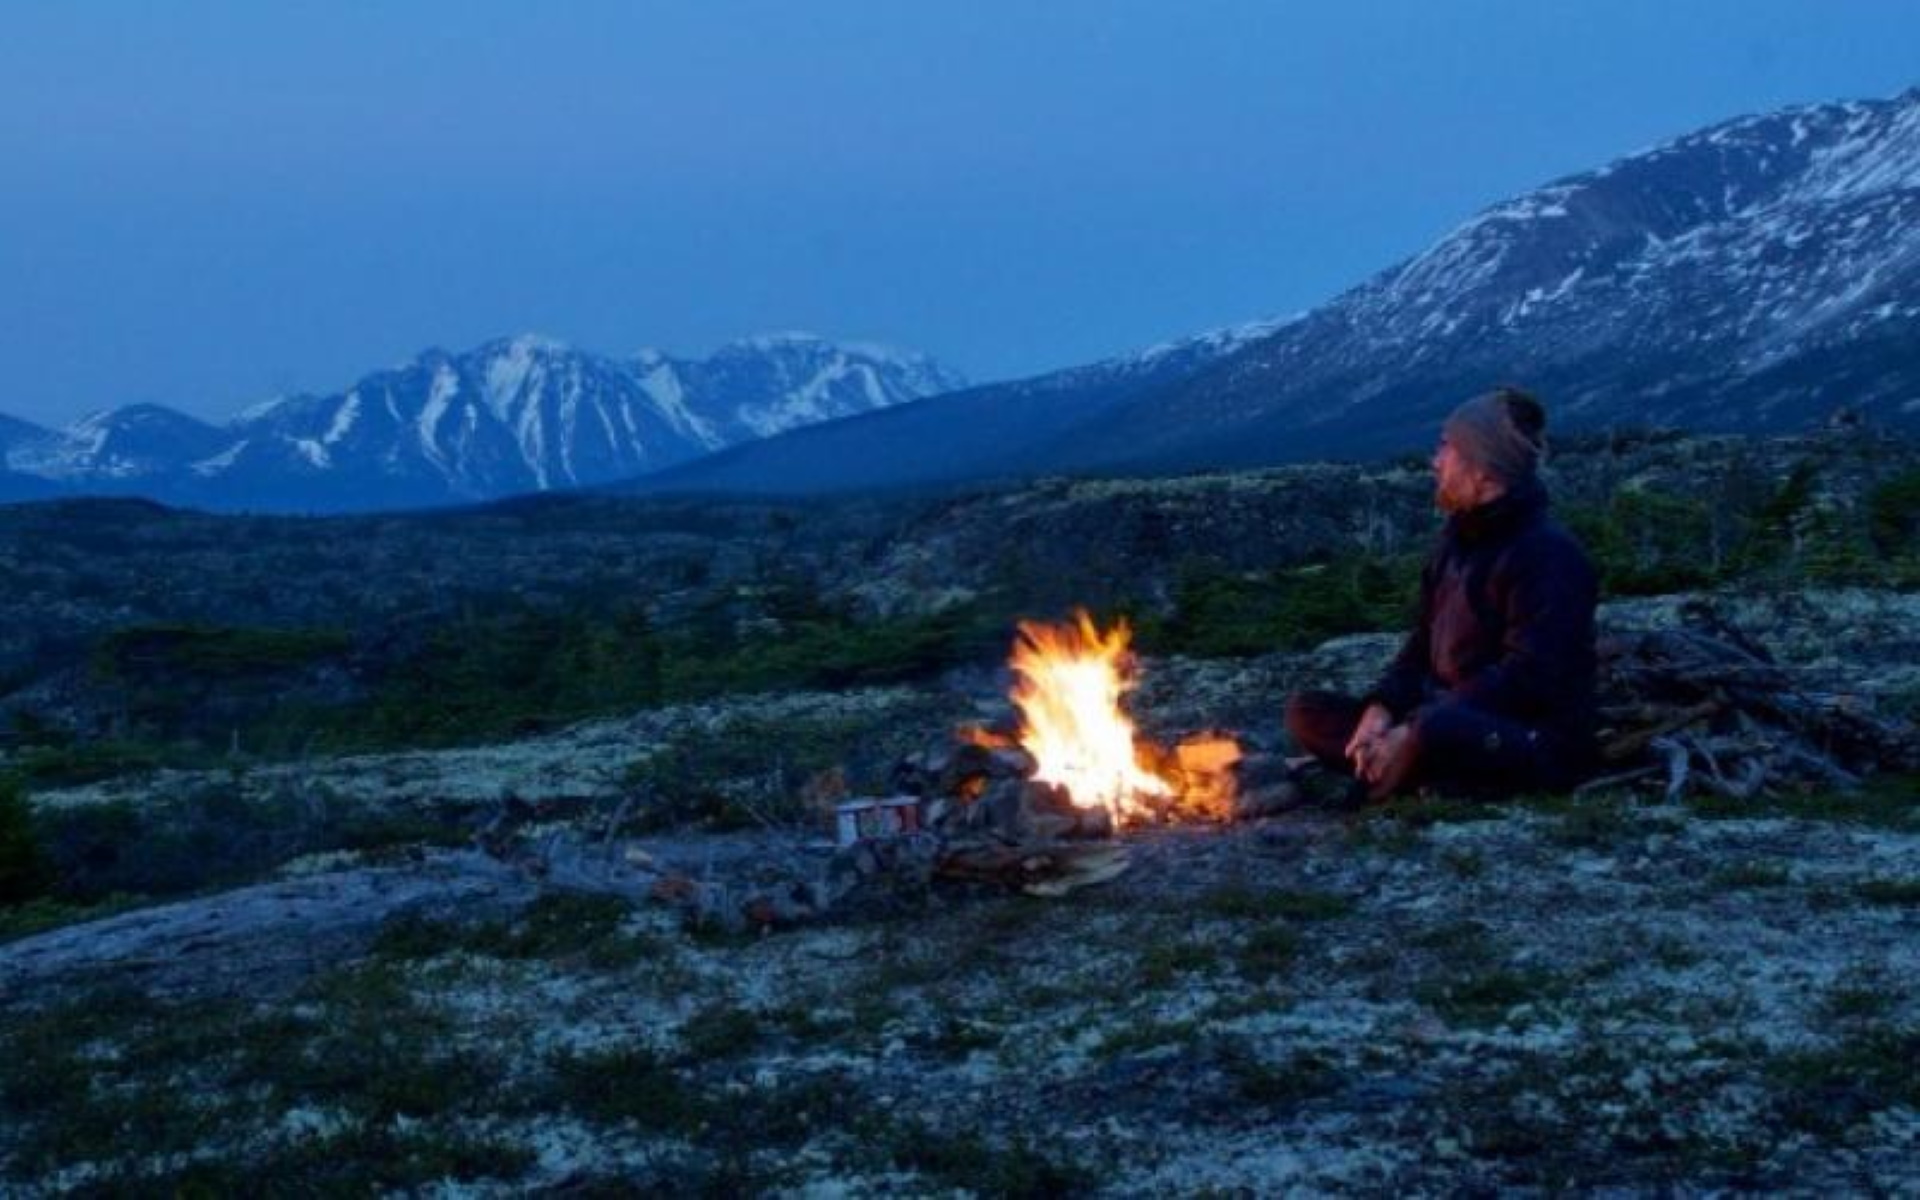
{"x": 1550, "y": 992}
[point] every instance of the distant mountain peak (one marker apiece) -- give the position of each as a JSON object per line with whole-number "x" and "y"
{"x": 775, "y": 340}
{"x": 524, "y": 344}
{"x": 805, "y": 342}
{"x": 520, "y": 413}
{"x": 119, "y": 443}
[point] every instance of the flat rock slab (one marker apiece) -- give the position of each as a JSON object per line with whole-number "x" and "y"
{"x": 257, "y": 938}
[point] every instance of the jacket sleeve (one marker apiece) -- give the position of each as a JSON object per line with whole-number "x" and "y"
{"x": 1403, "y": 686}
{"x": 1548, "y": 606}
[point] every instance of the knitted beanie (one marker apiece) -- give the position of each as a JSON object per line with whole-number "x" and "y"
{"x": 1502, "y": 432}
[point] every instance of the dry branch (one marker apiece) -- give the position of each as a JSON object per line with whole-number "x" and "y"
{"x": 1707, "y": 709}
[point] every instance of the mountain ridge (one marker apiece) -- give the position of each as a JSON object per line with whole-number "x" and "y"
{"x": 1753, "y": 275}
{"x": 527, "y": 413}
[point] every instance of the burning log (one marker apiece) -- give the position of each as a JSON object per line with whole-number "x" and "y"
{"x": 1264, "y": 787}
{"x": 1071, "y": 680}
{"x": 1093, "y": 823}
{"x": 962, "y": 766}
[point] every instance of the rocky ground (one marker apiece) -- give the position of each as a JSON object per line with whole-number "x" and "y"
{"x": 1432, "y": 996}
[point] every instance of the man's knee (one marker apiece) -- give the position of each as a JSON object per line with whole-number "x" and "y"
{"x": 1462, "y": 743}
{"x": 1320, "y": 723}
{"x": 1296, "y": 714}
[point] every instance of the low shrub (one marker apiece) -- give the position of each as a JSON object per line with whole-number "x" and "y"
{"x": 142, "y": 652}
{"x": 1221, "y": 613}
{"x": 1893, "y": 515}
{"x": 23, "y": 867}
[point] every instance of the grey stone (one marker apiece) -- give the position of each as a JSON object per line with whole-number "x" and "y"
{"x": 1046, "y": 797}
{"x": 1271, "y": 800}
{"x": 999, "y": 809}
{"x": 1004, "y": 762}
{"x": 1093, "y": 823}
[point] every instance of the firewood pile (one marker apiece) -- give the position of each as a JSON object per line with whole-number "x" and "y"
{"x": 997, "y": 825}
{"x": 981, "y": 786}
{"x": 1705, "y": 709}
{"x": 966, "y": 811}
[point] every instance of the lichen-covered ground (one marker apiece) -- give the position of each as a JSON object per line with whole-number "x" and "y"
{"x": 1428, "y": 997}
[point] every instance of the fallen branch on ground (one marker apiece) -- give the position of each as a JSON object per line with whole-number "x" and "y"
{"x": 1710, "y": 712}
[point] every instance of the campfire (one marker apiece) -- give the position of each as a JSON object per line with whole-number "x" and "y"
{"x": 1071, "y": 678}
{"x": 1074, "y": 764}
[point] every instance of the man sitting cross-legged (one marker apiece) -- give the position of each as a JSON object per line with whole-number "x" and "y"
{"x": 1494, "y": 688}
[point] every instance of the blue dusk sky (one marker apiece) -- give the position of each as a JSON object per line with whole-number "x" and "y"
{"x": 205, "y": 204}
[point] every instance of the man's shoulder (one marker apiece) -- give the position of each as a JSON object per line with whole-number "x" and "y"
{"x": 1549, "y": 528}
{"x": 1546, "y": 542}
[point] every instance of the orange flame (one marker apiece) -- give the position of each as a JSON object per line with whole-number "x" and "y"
{"x": 1070, "y": 680}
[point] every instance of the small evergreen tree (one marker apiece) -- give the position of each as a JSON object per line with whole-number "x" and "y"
{"x": 23, "y": 873}
{"x": 1893, "y": 514}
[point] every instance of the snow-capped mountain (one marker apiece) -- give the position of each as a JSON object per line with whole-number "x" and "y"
{"x": 1755, "y": 275}
{"x": 515, "y": 415}
{"x": 800, "y": 380}
{"x": 133, "y": 442}
{"x": 997, "y": 430}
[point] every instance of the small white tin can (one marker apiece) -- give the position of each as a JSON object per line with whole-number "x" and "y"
{"x": 859, "y": 819}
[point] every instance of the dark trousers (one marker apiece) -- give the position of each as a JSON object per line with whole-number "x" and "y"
{"x": 1456, "y": 745}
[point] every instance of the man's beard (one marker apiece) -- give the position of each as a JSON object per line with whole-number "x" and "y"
{"x": 1466, "y": 496}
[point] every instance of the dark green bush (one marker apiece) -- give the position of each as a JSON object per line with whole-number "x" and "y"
{"x": 23, "y": 869}
{"x": 175, "y": 651}
{"x": 70, "y": 763}
{"x": 840, "y": 650}
{"x": 207, "y": 838}
{"x": 1646, "y": 543}
{"x": 505, "y": 672}
{"x": 1893, "y": 515}
{"x": 212, "y": 836}
{"x": 529, "y": 670}
{"x": 1221, "y": 613}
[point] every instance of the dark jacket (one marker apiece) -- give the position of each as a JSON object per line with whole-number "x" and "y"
{"x": 1506, "y": 623}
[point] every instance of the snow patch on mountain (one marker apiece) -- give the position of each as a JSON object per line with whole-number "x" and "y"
{"x": 662, "y": 385}
{"x": 1214, "y": 343}
{"x": 218, "y": 463}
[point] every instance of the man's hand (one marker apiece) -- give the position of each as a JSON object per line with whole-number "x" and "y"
{"x": 1373, "y": 722}
{"x": 1386, "y": 762}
